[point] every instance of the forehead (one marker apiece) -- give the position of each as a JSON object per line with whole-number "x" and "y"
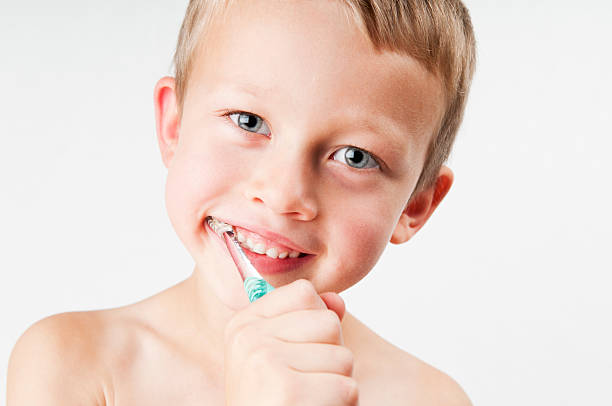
{"x": 310, "y": 59}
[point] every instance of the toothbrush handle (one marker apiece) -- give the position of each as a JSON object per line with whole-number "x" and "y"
{"x": 254, "y": 284}
{"x": 256, "y": 287}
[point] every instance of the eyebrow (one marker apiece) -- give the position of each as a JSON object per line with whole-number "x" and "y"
{"x": 380, "y": 125}
{"x": 252, "y": 89}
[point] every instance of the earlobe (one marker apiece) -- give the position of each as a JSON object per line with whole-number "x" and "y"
{"x": 167, "y": 119}
{"x": 422, "y": 206}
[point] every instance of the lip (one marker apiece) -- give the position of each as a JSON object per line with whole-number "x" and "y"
{"x": 264, "y": 264}
{"x": 269, "y": 235}
{"x": 269, "y": 266}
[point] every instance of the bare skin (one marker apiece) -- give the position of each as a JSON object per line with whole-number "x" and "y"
{"x": 286, "y": 175}
{"x": 139, "y": 354}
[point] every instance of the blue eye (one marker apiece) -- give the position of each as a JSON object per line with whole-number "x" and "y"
{"x": 355, "y": 158}
{"x": 250, "y": 122}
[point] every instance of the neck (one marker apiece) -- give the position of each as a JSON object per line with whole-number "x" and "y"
{"x": 195, "y": 316}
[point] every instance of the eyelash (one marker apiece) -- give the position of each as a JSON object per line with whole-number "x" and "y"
{"x": 228, "y": 113}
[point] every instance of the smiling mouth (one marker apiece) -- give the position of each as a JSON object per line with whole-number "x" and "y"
{"x": 258, "y": 244}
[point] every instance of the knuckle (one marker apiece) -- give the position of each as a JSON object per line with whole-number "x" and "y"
{"x": 346, "y": 360}
{"x": 304, "y": 291}
{"x": 330, "y": 324}
{"x": 289, "y": 390}
{"x": 262, "y": 359}
{"x": 331, "y": 317}
{"x": 232, "y": 326}
{"x": 242, "y": 338}
{"x": 350, "y": 391}
{"x": 228, "y": 332}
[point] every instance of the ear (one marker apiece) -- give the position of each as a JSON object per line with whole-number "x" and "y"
{"x": 421, "y": 207}
{"x": 167, "y": 120}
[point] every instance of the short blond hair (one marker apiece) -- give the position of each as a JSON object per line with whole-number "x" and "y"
{"x": 437, "y": 33}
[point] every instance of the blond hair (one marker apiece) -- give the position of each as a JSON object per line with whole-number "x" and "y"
{"x": 437, "y": 33}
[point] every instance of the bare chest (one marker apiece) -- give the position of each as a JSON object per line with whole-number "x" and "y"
{"x": 158, "y": 375}
{"x": 153, "y": 371}
{"x": 166, "y": 380}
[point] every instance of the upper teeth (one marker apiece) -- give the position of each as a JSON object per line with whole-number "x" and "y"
{"x": 260, "y": 248}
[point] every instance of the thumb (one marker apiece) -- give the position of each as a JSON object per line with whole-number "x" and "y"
{"x": 334, "y": 302}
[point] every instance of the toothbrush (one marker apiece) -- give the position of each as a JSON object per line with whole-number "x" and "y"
{"x": 254, "y": 284}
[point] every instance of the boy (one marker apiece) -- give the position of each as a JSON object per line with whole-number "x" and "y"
{"x": 318, "y": 130}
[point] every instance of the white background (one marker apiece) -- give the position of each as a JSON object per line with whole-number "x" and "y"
{"x": 507, "y": 288}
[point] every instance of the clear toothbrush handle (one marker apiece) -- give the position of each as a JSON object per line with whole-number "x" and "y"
{"x": 254, "y": 284}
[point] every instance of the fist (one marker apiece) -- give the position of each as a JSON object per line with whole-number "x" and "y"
{"x": 287, "y": 348}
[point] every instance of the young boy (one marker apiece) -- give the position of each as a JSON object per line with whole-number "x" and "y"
{"x": 318, "y": 129}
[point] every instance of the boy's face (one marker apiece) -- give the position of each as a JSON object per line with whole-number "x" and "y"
{"x": 331, "y": 148}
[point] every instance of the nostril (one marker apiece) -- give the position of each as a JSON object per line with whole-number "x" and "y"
{"x": 286, "y": 201}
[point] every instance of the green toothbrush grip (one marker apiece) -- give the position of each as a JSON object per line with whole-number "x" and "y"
{"x": 256, "y": 288}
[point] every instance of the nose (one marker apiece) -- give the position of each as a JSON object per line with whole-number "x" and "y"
{"x": 284, "y": 185}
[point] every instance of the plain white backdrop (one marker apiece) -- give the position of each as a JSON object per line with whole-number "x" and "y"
{"x": 507, "y": 288}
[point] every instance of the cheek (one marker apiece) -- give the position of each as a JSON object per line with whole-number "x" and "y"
{"x": 197, "y": 176}
{"x": 360, "y": 237}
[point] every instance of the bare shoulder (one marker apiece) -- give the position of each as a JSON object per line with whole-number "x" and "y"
{"x": 426, "y": 385}
{"x": 57, "y": 361}
{"x": 407, "y": 380}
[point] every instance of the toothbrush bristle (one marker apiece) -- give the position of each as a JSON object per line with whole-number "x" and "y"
{"x": 218, "y": 227}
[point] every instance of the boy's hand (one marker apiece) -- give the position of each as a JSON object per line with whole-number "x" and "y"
{"x": 287, "y": 349}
